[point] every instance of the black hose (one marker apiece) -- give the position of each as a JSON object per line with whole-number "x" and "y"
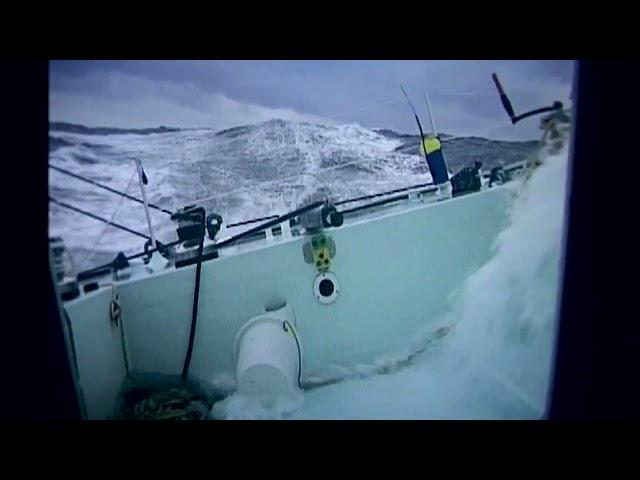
{"x": 194, "y": 310}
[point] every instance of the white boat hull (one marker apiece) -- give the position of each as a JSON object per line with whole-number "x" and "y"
{"x": 396, "y": 271}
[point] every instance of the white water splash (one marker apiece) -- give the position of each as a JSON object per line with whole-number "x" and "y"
{"x": 496, "y": 363}
{"x": 252, "y": 407}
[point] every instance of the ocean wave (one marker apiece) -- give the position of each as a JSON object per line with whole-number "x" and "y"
{"x": 241, "y": 173}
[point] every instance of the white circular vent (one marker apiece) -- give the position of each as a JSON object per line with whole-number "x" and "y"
{"x": 326, "y": 288}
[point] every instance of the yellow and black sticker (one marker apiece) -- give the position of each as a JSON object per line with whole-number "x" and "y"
{"x": 321, "y": 253}
{"x": 319, "y": 250}
{"x": 430, "y": 145}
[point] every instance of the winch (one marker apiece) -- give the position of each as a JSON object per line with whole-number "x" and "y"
{"x": 323, "y": 217}
{"x": 193, "y": 223}
{"x": 467, "y": 180}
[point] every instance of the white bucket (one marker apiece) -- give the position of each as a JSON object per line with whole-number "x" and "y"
{"x": 267, "y": 355}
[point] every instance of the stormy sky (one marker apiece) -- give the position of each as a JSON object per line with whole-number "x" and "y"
{"x": 223, "y": 94}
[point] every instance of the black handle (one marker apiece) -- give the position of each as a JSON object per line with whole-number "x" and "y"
{"x": 213, "y": 228}
{"x": 503, "y": 98}
{"x": 331, "y": 217}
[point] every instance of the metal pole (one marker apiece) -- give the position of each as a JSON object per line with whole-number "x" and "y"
{"x": 146, "y": 202}
{"x": 433, "y": 124}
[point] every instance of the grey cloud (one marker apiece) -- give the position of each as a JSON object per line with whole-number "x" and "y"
{"x": 347, "y": 91}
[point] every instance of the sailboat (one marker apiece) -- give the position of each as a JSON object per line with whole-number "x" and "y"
{"x": 285, "y": 304}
